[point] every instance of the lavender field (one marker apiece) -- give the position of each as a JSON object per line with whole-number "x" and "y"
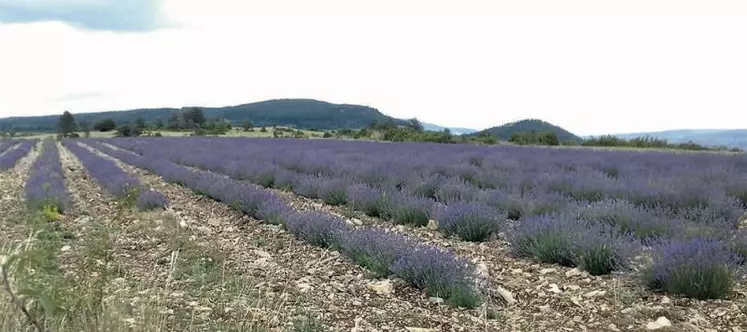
{"x": 489, "y": 236}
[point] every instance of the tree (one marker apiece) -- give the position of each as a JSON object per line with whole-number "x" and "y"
{"x": 105, "y": 125}
{"x": 247, "y": 125}
{"x": 85, "y": 127}
{"x": 193, "y": 116}
{"x": 158, "y": 124}
{"x": 128, "y": 130}
{"x": 66, "y": 124}
{"x": 415, "y": 125}
{"x": 140, "y": 123}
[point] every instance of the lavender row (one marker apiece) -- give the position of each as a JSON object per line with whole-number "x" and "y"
{"x": 5, "y": 145}
{"x": 115, "y": 180}
{"x": 470, "y": 214}
{"x": 9, "y": 159}
{"x": 45, "y": 187}
{"x": 679, "y": 182}
{"x": 571, "y": 223}
{"x": 437, "y": 272}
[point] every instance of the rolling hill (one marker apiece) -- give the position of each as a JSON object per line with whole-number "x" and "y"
{"x": 733, "y": 138}
{"x": 505, "y": 131}
{"x": 299, "y": 113}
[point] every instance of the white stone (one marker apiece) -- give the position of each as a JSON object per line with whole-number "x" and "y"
{"x": 554, "y": 289}
{"x": 303, "y": 287}
{"x": 435, "y": 300}
{"x": 548, "y": 271}
{"x": 573, "y": 272}
{"x": 383, "y": 287}
{"x": 482, "y": 270}
{"x": 666, "y": 300}
{"x": 506, "y": 295}
{"x": 659, "y": 323}
{"x": 432, "y": 225}
{"x": 418, "y": 329}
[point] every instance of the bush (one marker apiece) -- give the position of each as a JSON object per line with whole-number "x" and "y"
{"x": 408, "y": 210}
{"x": 372, "y": 202}
{"x": 470, "y": 221}
{"x": 273, "y": 211}
{"x": 375, "y": 249}
{"x": 327, "y": 135}
{"x": 151, "y": 200}
{"x": 439, "y": 273}
{"x": 699, "y": 268}
{"x": 601, "y": 249}
{"x": 317, "y": 228}
{"x": 333, "y": 191}
{"x": 545, "y": 239}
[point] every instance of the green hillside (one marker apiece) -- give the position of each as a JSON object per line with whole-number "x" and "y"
{"x": 505, "y": 131}
{"x": 299, "y": 113}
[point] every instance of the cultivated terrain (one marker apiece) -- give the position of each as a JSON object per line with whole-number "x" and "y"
{"x": 243, "y": 234}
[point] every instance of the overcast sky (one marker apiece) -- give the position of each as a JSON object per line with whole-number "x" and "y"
{"x": 589, "y": 66}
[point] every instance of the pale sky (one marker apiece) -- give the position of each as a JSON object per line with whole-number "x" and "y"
{"x": 591, "y": 67}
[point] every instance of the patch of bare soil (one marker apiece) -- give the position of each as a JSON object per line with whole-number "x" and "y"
{"x": 556, "y": 298}
{"x": 339, "y": 292}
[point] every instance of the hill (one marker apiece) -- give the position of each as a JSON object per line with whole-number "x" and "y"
{"x": 505, "y": 131}
{"x": 732, "y": 138}
{"x": 298, "y": 113}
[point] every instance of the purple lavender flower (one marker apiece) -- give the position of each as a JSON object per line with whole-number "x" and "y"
{"x": 440, "y": 273}
{"x": 375, "y": 249}
{"x": 151, "y": 200}
{"x": 471, "y": 221}
{"x": 317, "y": 228}
{"x": 700, "y": 268}
{"x": 45, "y": 187}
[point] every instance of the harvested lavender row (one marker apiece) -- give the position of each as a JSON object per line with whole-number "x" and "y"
{"x": 45, "y": 187}
{"x": 9, "y": 159}
{"x": 437, "y": 272}
{"x": 115, "y": 180}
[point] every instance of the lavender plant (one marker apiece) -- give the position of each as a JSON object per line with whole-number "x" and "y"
{"x": 699, "y": 268}
{"x": 471, "y": 221}
{"x": 317, "y": 228}
{"x": 9, "y": 159}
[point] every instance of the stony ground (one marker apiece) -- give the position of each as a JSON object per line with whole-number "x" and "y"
{"x": 200, "y": 265}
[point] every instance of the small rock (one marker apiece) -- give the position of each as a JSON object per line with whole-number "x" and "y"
{"x": 572, "y": 287}
{"x": 554, "y": 289}
{"x": 215, "y": 222}
{"x": 65, "y": 248}
{"x": 659, "y": 323}
{"x": 544, "y": 309}
{"x": 613, "y": 327}
{"x": 482, "y": 270}
{"x": 517, "y": 271}
{"x": 595, "y": 293}
{"x": 303, "y": 287}
{"x": 576, "y": 301}
{"x": 627, "y": 310}
{"x": 574, "y": 272}
{"x": 506, "y": 295}
{"x": 432, "y": 225}
{"x": 383, "y": 287}
{"x": 435, "y": 300}
{"x": 666, "y": 300}
{"x": 357, "y": 303}
{"x": 356, "y": 221}
{"x": 548, "y": 271}
{"x": 418, "y": 329}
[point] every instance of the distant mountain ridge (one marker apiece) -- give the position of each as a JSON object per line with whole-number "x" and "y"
{"x": 504, "y": 132}
{"x": 454, "y": 130}
{"x": 732, "y": 138}
{"x": 299, "y": 113}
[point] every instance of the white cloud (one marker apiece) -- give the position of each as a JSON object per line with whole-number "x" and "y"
{"x": 588, "y": 66}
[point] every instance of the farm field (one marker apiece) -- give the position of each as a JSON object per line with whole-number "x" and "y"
{"x": 196, "y": 233}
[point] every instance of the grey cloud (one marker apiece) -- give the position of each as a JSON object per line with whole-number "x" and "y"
{"x": 108, "y": 15}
